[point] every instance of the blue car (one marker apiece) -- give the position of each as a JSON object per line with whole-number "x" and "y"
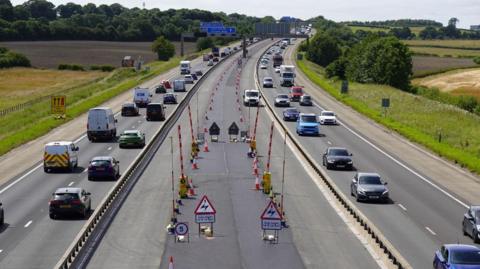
{"x": 290, "y": 114}
{"x": 169, "y": 98}
{"x": 457, "y": 256}
{"x": 307, "y": 124}
{"x": 103, "y": 167}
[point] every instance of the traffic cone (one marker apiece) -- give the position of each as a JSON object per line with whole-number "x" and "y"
{"x": 170, "y": 264}
{"x": 205, "y": 146}
{"x": 191, "y": 190}
{"x": 194, "y": 164}
{"x": 205, "y": 130}
{"x": 257, "y": 183}
{"x": 255, "y": 167}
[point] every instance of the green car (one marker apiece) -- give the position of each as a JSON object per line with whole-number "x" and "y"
{"x": 132, "y": 138}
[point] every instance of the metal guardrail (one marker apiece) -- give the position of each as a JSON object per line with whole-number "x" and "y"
{"x": 392, "y": 253}
{"x": 86, "y": 241}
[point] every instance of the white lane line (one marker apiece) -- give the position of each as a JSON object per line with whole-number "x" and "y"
{"x": 1, "y": 250}
{"x": 85, "y": 170}
{"x": 430, "y": 231}
{"x": 109, "y": 148}
{"x": 71, "y": 183}
{"x": 402, "y": 207}
{"x": 400, "y": 163}
{"x": 28, "y": 224}
{"x": 133, "y": 126}
{"x": 329, "y": 142}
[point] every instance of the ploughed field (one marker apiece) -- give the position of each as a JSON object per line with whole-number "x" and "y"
{"x": 49, "y": 54}
{"x": 431, "y": 64}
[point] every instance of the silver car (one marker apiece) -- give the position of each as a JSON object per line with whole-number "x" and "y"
{"x": 471, "y": 223}
{"x": 369, "y": 186}
{"x": 282, "y": 100}
{"x": 268, "y": 82}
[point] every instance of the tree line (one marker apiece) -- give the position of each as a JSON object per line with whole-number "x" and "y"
{"x": 396, "y": 23}
{"x": 42, "y": 20}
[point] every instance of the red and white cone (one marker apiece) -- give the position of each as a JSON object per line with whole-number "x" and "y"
{"x": 194, "y": 164}
{"x": 257, "y": 183}
{"x": 255, "y": 167}
{"x": 191, "y": 189}
{"x": 205, "y": 146}
{"x": 170, "y": 264}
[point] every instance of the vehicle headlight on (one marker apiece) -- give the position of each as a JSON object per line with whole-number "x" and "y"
{"x": 385, "y": 192}
{"x": 330, "y": 161}
{"x": 361, "y": 191}
{"x": 478, "y": 229}
{"x": 350, "y": 162}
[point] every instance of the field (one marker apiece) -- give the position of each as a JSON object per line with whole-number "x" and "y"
{"x": 427, "y": 65}
{"x": 445, "y": 52}
{"x": 23, "y": 84}
{"x": 458, "y": 44}
{"x": 369, "y": 29}
{"x": 466, "y": 82}
{"x": 415, "y": 117}
{"x": 49, "y": 54}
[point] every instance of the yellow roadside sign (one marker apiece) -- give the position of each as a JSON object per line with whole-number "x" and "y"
{"x": 58, "y": 104}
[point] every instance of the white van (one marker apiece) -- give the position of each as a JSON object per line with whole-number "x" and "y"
{"x": 60, "y": 155}
{"x": 179, "y": 85}
{"x": 251, "y": 97}
{"x": 101, "y": 124}
{"x": 142, "y": 97}
{"x": 185, "y": 67}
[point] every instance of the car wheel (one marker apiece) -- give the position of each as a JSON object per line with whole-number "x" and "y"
{"x": 52, "y": 216}
{"x": 475, "y": 236}
{"x": 46, "y": 170}
{"x": 463, "y": 229}
{"x": 356, "y": 197}
{"x": 351, "y": 192}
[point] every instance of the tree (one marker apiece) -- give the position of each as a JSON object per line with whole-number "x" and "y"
{"x": 6, "y": 10}
{"x": 323, "y": 49}
{"x": 204, "y": 43}
{"x": 428, "y": 32}
{"x": 383, "y": 60}
{"x": 69, "y": 9}
{"x": 453, "y": 22}
{"x": 164, "y": 48}
{"x": 268, "y": 19}
{"x": 40, "y": 9}
{"x": 402, "y": 33}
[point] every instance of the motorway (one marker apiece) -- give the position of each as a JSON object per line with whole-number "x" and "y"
{"x": 30, "y": 239}
{"x": 418, "y": 219}
{"x": 317, "y": 235}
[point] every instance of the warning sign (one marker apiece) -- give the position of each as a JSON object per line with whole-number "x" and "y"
{"x": 271, "y": 218}
{"x": 205, "y": 212}
{"x": 58, "y": 104}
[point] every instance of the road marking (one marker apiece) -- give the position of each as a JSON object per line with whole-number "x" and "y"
{"x": 329, "y": 142}
{"x": 400, "y": 163}
{"x": 402, "y": 207}
{"x": 85, "y": 170}
{"x": 71, "y": 183}
{"x": 28, "y": 224}
{"x": 109, "y": 148}
{"x": 430, "y": 230}
{"x": 1, "y": 250}
{"x": 133, "y": 126}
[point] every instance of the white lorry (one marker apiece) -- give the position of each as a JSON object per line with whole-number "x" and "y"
{"x": 185, "y": 67}
{"x": 101, "y": 124}
{"x": 142, "y": 97}
{"x": 251, "y": 97}
{"x": 287, "y": 75}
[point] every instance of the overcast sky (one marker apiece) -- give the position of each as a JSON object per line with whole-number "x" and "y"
{"x": 467, "y": 11}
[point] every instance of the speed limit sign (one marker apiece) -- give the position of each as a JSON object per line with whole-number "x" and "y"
{"x": 181, "y": 228}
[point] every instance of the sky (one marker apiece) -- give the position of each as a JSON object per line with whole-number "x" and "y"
{"x": 467, "y": 11}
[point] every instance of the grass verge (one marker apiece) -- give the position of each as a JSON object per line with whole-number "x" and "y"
{"x": 20, "y": 127}
{"x": 446, "y": 130}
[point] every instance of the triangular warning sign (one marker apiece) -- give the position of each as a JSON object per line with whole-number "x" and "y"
{"x": 204, "y": 207}
{"x": 271, "y": 212}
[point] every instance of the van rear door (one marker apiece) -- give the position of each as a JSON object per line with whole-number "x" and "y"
{"x": 97, "y": 120}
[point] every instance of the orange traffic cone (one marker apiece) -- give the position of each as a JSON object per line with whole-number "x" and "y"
{"x": 191, "y": 190}
{"x": 205, "y": 146}
{"x": 255, "y": 167}
{"x": 194, "y": 164}
{"x": 170, "y": 264}
{"x": 257, "y": 183}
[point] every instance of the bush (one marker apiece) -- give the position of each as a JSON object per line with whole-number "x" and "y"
{"x": 323, "y": 49}
{"x": 204, "y": 43}
{"x": 73, "y": 67}
{"x": 476, "y": 60}
{"x": 337, "y": 68}
{"x": 103, "y": 68}
{"x": 12, "y": 59}
{"x": 468, "y": 103}
{"x": 163, "y": 48}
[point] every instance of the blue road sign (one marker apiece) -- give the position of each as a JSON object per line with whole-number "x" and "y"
{"x": 205, "y": 25}
{"x": 221, "y": 30}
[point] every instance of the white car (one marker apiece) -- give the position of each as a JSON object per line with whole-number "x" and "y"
{"x": 282, "y": 100}
{"x": 263, "y": 66}
{"x": 327, "y": 117}
{"x": 277, "y": 70}
{"x": 188, "y": 79}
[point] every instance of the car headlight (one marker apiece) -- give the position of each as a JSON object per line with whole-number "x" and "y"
{"x": 330, "y": 161}
{"x": 350, "y": 162}
{"x": 361, "y": 191}
{"x": 385, "y": 192}
{"x": 478, "y": 227}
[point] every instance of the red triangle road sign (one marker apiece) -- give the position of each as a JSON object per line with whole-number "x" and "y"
{"x": 205, "y": 207}
{"x": 271, "y": 212}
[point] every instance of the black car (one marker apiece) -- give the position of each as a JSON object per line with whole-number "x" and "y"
{"x": 306, "y": 100}
{"x": 160, "y": 89}
{"x": 69, "y": 201}
{"x": 155, "y": 111}
{"x": 471, "y": 223}
{"x": 130, "y": 109}
{"x": 215, "y": 59}
{"x": 103, "y": 167}
{"x": 369, "y": 186}
{"x": 2, "y": 215}
{"x": 291, "y": 114}
{"x": 199, "y": 73}
{"x": 194, "y": 76}
{"x": 170, "y": 98}
{"x": 335, "y": 157}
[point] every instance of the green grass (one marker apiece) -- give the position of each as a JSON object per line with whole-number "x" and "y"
{"x": 454, "y": 44}
{"x": 417, "y": 118}
{"x": 369, "y": 29}
{"x": 445, "y": 52}
{"x": 20, "y": 127}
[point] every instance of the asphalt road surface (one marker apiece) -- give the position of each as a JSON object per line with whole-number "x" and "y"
{"x": 417, "y": 220}
{"x": 317, "y": 236}
{"x": 30, "y": 239}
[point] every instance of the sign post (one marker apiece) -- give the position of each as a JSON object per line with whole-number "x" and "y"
{"x": 271, "y": 220}
{"x": 385, "y": 105}
{"x": 205, "y": 213}
{"x": 59, "y": 105}
{"x": 214, "y": 132}
{"x": 233, "y": 130}
{"x": 181, "y": 229}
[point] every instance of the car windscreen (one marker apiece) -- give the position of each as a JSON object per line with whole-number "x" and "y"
{"x": 338, "y": 152}
{"x": 306, "y": 97}
{"x": 268, "y": 79}
{"x": 297, "y": 90}
{"x": 370, "y": 180}
{"x": 185, "y": 65}
{"x": 292, "y": 110}
{"x": 251, "y": 94}
{"x": 154, "y": 108}
{"x": 100, "y": 163}
{"x": 329, "y": 114}
{"x": 309, "y": 118}
{"x": 283, "y": 96}
{"x": 469, "y": 256}
{"x": 140, "y": 94}
{"x": 66, "y": 196}
{"x": 130, "y": 134}
{"x": 287, "y": 75}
